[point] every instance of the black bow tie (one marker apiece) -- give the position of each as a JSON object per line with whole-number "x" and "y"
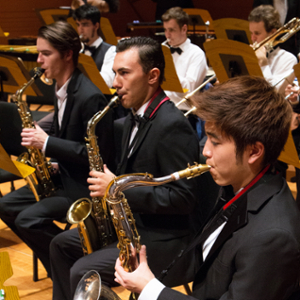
{"x": 89, "y": 48}
{"x": 136, "y": 119}
{"x": 177, "y": 49}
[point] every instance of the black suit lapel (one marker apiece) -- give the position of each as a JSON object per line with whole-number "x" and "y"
{"x": 72, "y": 88}
{"x": 145, "y": 125}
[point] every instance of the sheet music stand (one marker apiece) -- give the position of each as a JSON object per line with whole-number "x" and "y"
{"x": 198, "y": 18}
{"x": 297, "y": 71}
{"x": 49, "y": 16}
{"x": 88, "y": 67}
{"x": 232, "y": 29}
{"x": 171, "y": 81}
{"x": 15, "y": 75}
{"x": 230, "y": 59}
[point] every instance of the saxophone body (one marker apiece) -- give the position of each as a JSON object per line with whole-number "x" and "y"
{"x": 129, "y": 240}
{"x": 91, "y": 216}
{"x": 39, "y": 182}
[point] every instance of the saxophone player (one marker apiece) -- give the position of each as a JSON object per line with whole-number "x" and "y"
{"x": 160, "y": 141}
{"x": 77, "y": 100}
{"x": 249, "y": 248}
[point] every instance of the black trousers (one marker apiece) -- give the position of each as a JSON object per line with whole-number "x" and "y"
{"x": 32, "y": 221}
{"x": 69, "y": 265}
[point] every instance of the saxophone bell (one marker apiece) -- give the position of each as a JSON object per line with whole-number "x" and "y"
{"x": 90, "y": 287}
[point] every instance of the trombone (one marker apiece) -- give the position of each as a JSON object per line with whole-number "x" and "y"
{"x": 279, "y": 36}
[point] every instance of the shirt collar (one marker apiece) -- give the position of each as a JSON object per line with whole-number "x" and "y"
{"x": 97, "y": 43}
{"x": 61, "y": 94}
{"x": 182, "y": 46}
{"x": 141, "y": 110}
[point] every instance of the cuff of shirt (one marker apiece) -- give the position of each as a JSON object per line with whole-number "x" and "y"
{"x": 45, "y": 145}
{"x": 151, "y": 290}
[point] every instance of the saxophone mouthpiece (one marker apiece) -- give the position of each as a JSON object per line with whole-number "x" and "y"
{"x": 38, "y": 71}
{"x": 191, "y": 171}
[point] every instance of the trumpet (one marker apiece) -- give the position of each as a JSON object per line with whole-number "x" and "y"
{"x": 279, "y": 36}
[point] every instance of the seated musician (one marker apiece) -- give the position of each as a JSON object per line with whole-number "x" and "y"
{"x": 162, "y": 142}
{"x": 77, "y": 100}
{"x": 87, "y": 18}
{"x": 276, "y": 63}
{"x": 189, "y": 59}
{"x": 250, "y": 247}
{"x": 287, "y": 9}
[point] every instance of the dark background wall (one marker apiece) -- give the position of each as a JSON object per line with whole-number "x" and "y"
{"x": 19, "y": 18}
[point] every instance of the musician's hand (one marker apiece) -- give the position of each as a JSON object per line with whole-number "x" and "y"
{"x": 55, "y": 168}
{"x": 138, "y": 279}
{"x": 261, "y": 54}
{"x": 99, "y": 181}
{"x": 293, "y": 91}
{"x": 34, "y": 137}
{"x": 295, "y": 121}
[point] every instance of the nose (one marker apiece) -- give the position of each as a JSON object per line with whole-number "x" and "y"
{"x": 206, "y": 150}
{"x": 253, "y": 38}
{"x": 117, "y": 83}
{"x": 39, "y": 58}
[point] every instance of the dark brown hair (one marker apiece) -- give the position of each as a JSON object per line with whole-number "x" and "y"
{"x": 63, "y": 37}
{"x": 178, "y": 14}
{"x": 247, "y": 109}
{"x": 150, "y": 53}
{"x": 267, "y": 14}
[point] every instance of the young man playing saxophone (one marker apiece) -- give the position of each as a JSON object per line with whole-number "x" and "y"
{"x": 249, "y": 248}
{"x": 160, "y": 143}
{"x": 77, "y": 100}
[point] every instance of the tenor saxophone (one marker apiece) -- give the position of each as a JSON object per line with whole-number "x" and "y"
{"x": 40, "y": 181}
{"x": 124, "y": 223}
{"x": 91, "y": 216}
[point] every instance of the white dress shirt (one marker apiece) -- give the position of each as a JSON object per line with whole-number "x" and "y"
{"x": 280, "y": 65}
{"x": 95, "y": 44}
{"x": 191, "y": 68}
{"x": 140, "y": 112}
{"x": 61, "y": 96}
{"x": 107, "y": 72}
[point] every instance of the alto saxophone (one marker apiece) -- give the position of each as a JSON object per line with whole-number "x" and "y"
{"x": 91, "y": 216}
{"x": 39, "y": 182}
{"x": 124, "y": 223}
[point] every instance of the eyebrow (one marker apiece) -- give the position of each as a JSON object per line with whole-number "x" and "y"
{"x": 212, "y": 134}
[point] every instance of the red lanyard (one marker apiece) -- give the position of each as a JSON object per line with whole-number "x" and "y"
{"x": 259, "y": 176}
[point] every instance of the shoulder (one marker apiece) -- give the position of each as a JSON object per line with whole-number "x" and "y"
{"x": 286, "y": 55}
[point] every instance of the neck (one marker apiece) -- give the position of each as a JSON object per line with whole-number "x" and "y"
{"x": 92, "y": 40}
{"x": 61, "y": 80}
{"x": 149, "y": 95}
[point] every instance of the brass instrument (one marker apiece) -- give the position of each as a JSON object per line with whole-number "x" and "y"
{"x": 39, "y": 182}
{"x": 90, "y": 288}
{"x": 123, "y": 220}
{"x": 189, "y": 95}
{"x": 279, "y": 36}
{"x": 91, "y": 216}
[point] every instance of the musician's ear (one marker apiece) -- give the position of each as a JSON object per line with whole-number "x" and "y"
{"x": 68, "y": 55}
{"x": 184, "y": 28}
{"x": 154, "y": 75}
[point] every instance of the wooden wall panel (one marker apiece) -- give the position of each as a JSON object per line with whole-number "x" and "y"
{"x": 18, "y": 17}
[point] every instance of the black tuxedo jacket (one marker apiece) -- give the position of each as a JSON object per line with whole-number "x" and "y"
{"x": 293, "y": 43}
{"x": 68, "y": 145}
{"x": 256, "y": 255}
{"x": 166, "y": 143}
{"x": 99, "y": 53}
